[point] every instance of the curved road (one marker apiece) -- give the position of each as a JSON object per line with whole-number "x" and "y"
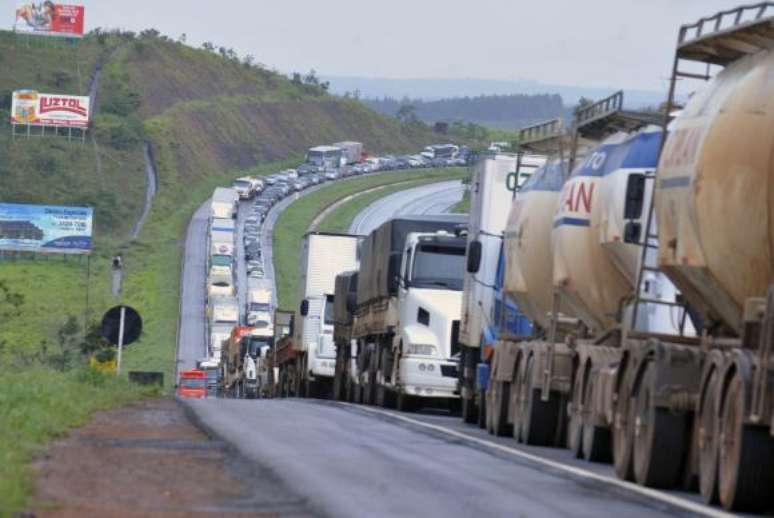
{"x": 348, "y": 460}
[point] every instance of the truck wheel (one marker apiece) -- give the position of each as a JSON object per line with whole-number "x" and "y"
{"x": 659, "y": 438}
{"x": 538, "y": 425}
{"x": 623, "y": 430}
{"x": 469, "y": 410}
{"x": 707, "y": 423}
{"x": 746, "y": 456}
{"x": 406, "y": 403}
{"x": 575, "y": 427}
{"x": 596, "y": 439}
{"x": 481, "y": 402}
{"x": 500, "y": 400}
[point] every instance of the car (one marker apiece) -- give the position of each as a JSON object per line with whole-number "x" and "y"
{"x": 270, "y": 180}
{"x": 252, "y": 254}
{"x": 251, "y": 220}
{"x": 306, "y": 169}
{"x": 292, "y": 174}
{"x": 332, "y": 175}
{"x": 256, "y": 275}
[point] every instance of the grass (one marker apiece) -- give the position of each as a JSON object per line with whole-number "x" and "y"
{"x": 38, "y": 405}
{"x": 463, "y": 207}
{"x": 295, "y": 220}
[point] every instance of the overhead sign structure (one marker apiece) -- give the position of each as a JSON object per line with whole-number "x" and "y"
{"x": 43, "y": 228}
{"x": 38, "y": 109}
{"x": 49, "y": 19}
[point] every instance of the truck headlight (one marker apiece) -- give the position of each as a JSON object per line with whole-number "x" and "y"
{"x": 421, "y": 349}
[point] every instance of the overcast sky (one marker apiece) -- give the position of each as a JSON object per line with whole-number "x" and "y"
{"x": 577, "y": 42}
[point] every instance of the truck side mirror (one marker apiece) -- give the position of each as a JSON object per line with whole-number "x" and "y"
{"x": 474, "y": 257}
{"x": 635, "y": 196}
{"x": 304, "y": 309}
{"x": 632, "y": 231}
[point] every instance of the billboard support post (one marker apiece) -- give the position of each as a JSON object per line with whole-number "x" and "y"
{"x": 88, "y": 287}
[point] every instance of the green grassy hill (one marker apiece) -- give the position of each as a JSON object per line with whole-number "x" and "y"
{"x": 208, "y": 118}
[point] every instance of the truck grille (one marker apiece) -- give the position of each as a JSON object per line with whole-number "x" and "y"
{"x": 449, "y": 371}
{"x": 455, "y": 338}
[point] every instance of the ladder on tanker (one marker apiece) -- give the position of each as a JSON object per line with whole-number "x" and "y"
{"x": 716, "y": 40}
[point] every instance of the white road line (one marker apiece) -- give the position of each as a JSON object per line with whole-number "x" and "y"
{"x": 654, "y": 494}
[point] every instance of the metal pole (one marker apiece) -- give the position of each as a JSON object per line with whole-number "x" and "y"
{"x": 88, "y": 286}
{"x": 120, "y": 338}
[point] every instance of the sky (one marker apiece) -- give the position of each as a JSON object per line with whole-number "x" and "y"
{"x": 573, "y": 42}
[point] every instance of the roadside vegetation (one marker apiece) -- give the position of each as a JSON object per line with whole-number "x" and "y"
{"x": 296, "y": 219}
{"x": 463, "y": 207}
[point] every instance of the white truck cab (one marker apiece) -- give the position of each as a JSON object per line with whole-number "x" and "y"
{"x": 429, "y": 305}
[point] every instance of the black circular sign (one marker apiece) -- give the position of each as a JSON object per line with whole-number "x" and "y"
{"x": 111, "y": 324}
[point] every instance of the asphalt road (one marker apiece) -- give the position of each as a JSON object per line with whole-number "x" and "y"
{"x": 435, "y": 198}
{"x": 347, "y": 460}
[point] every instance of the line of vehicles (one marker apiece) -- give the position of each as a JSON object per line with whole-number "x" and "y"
{"x": 612, "y": 291}
{"x": 239, "y": 339}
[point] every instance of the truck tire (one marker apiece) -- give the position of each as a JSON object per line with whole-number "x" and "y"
{"x": 539, "y": 420}
{"x": 707, "y": 422}
{"x": 481, "y": 401}
{"x": 596, "y": 439}
{"x": 575, "y": 426}
{"x": 623, "y": 429}
{"x": 745, "y": 476}
{"x": 469, "y": 410}
{"x": 406, "y": 403}
{"x": 500, "y": 400}
{"x": 659, "y": 438}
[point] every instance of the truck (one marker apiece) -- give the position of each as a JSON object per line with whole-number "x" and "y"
{"x": 246, "y": 187}
{"x": 243, "y": 362}
{"x": 437, "y": 151}
{"x": 352, "y": 152}
{"x": 223, "y": 313}
{"x": 259, "y": 304}
{"x": 192, "y": 384}
{"x": 221, "y": 242}
{"x": 406, "y": 325}
{"x": 325, "y": 158}
{"x": 307, "y": 361}
{"x": 492, "y": 188}
{"x": 220, "y": 285}
{"x": 344, "y": 309}
{"x": 211, "y": 367}
{"x": 223, "y": 203}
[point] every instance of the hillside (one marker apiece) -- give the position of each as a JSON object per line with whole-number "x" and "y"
{"x": 208, "y": 117}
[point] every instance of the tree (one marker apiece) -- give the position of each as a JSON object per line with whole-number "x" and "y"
{"x": 208, "y": 45}
{"x": 582, "y": 103}
{"x": 407, "y": 113}
{"x": 183, "y": 38}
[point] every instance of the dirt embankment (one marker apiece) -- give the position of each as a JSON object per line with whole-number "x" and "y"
{"x": 148, "y": 460}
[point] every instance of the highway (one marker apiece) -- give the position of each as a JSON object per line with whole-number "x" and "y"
{"x": 348, "y": 460}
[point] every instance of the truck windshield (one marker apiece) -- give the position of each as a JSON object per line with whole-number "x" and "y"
{"x": 254, "y": 348}
{"x": 329, "y": 310}
{"x": 221, "y": 260}
{"x": 438, "y": 265}
{"x": 260, "y": 306}
{"x": 193, "y": 383}
{"x": 315, "y": 157}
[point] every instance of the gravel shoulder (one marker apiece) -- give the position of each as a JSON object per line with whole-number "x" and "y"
{"x": 148, "y": 460}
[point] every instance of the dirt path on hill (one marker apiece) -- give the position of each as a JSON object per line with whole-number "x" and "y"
{"x": 149, "y": 460}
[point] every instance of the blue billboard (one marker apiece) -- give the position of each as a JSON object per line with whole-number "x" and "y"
{"x": 43, "y": 228}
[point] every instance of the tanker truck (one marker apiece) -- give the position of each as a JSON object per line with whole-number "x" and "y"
{"x": 702, "y": 407}
{"x": 484, "y": 310}
{"x": 553, "y": 389}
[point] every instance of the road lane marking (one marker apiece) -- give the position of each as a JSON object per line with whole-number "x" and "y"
{"x": 654, "y": 494}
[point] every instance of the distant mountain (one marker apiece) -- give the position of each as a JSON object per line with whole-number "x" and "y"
{"x": 493, "y": 111}
{"x": 434, "y": 89}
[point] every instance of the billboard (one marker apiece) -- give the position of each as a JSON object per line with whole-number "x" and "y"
{"x": 42, "y": 228}
{"x": 37, "y": 109}
{"x": 49, "y": 19}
